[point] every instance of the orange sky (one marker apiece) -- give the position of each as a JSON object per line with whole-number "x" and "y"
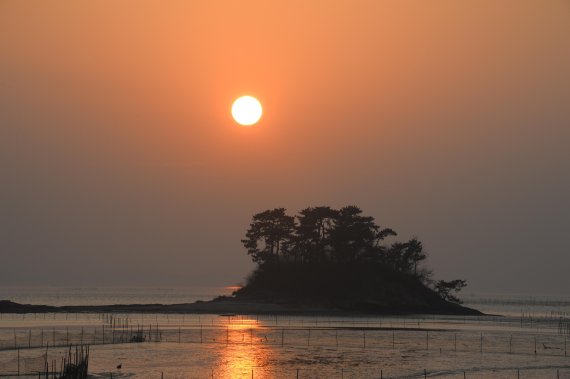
{"x": 447, "y": 120}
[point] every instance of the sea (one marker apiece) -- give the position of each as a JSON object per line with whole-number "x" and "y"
{"x": 521, "y": 336}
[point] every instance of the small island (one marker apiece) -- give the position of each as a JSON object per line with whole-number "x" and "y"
{"x": 321, "y": 261}
{"x": 339, "y": 259}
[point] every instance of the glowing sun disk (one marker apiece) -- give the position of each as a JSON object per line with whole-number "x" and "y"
{"x": 246, "y": 110}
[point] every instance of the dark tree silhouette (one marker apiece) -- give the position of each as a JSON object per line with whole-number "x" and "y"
{"x": 405, "y": 257}
{"x": 313, "y": 233}
{"x": 354, "y": 235}
{"x": 414, "y": 253}
{"x": 394, "y": 256}
{"x": 448, "y": 290}
{"x": 270, "y": 235}
{"x": 380, "y": 252}
{"x": 322, "y": 240}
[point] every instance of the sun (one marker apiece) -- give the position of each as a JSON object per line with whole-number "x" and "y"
{"x": 246, "y": 110}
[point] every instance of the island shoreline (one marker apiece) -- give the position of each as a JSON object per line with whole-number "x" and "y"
{"x": 229, "y": 306}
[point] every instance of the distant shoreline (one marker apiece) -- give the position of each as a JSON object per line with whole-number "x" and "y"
{"x": 222, "y": 305}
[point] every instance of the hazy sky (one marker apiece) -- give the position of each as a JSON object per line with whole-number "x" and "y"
{"x": 120, "y": 163}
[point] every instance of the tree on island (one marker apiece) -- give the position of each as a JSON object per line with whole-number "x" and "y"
{"x": 354, "y": 235}
{"x": 448, "y": 290}
{"x": 405, "y": 256}
{"x": 324, "y": 240}
{"x": 270, "y": 235}
{"x": 313, "y": 234}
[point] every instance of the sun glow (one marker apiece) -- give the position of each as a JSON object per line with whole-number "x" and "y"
{"x": 247, "y": 350}
{"x": 246, "y": 110}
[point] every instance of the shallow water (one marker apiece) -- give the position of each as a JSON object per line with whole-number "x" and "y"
{"x": 192, "y": 346}
{"x": 531, "y": 344}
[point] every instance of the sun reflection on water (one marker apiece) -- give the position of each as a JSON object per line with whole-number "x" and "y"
{"x": 246, "y": 354}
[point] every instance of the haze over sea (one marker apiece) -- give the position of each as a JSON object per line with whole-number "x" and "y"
{"x": 60, "y": 296}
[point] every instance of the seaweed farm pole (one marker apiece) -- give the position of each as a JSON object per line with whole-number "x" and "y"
{"x": 393, "y": 343}
{"x": 103, "y": 334}
{"x": 200, "y": 333}
{"x": 427, "y": 340}
{"x": 18, "y": 362}
{"x": 178, "y": 334}
{"x": 15, "y": 340}
{"x": 30, "y": 339}
{"x": 227, "y": 334}
{"x": 42, "y": 338}
{"x": 455, "y": 341}
{"x": 481, "y": 349}
{"x": 511, "y": 344}
{"x": 297, "y": 373}
{"x": 534, "y": 345}
{"x": 364, "y": 338}
{"x": 309, "y": 338}
{"x": 336, "y": 338}
{"x": 282, "y": 336}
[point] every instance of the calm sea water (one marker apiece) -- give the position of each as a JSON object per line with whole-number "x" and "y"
{"x": 530, "y": 340}
{"x": 110, "y": 295}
